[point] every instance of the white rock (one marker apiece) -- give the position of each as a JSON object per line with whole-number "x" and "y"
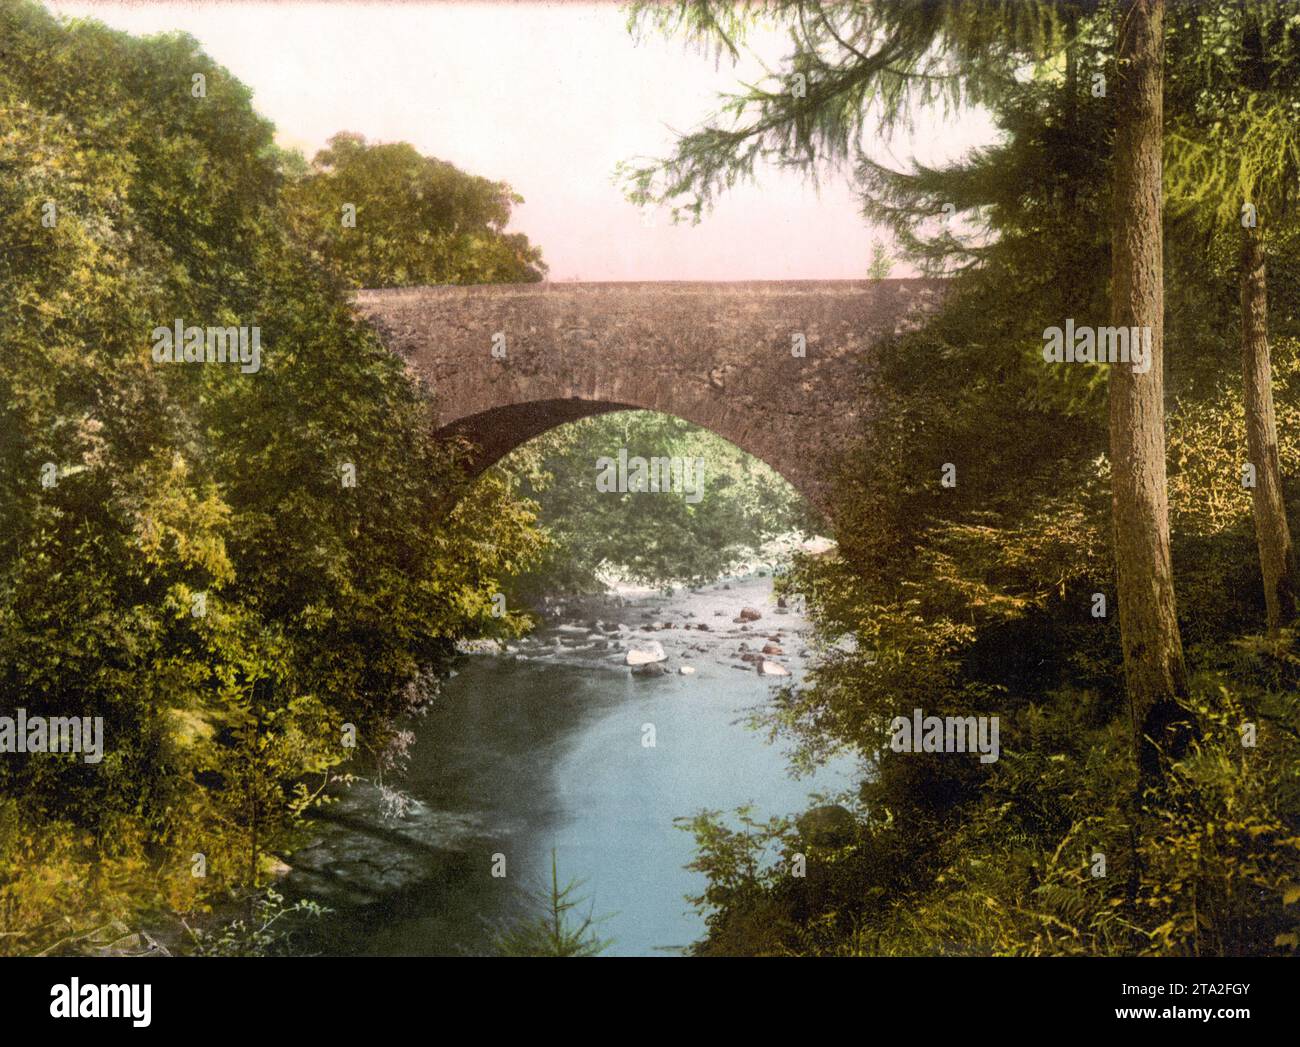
{"x": 773, "y": 669}
{"x": 478, "y": 647}
{"x": 817, "y": 546}
{"x": 644, "y": 652}
{"x": 686, "y": 670}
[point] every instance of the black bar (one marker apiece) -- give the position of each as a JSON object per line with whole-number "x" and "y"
{"x": 613, "y": 1000}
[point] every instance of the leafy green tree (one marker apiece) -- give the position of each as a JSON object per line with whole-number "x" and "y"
{"x": 182, "y": 549}
{"x": 388, "y": 217}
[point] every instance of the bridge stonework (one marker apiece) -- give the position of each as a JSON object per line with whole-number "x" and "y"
{"x": 716, "y": 354}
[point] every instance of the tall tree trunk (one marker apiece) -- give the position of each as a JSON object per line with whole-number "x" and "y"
{"x": 1154, "y": 671}
{"x": 1277, "y": 554}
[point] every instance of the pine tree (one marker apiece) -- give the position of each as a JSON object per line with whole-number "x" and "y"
{"x": 1234, "y": 158}
{"x": 1154, "y": 669}
{"x": 549, "y": 930}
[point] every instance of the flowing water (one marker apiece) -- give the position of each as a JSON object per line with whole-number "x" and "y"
{"x": 545, "y": 747}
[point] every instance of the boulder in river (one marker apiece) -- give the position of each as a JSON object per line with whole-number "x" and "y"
{"x": 650, "y": 669}
{"x": 772, "y": 648}
{"x": 769, "y": 668}
{"x": 749, "y": 614}
{"x": 687, "y": 670}
{"x": 478, "y": 647}
{"x": 645, "y": 652}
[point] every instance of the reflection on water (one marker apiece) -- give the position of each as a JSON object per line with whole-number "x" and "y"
{"x": 543, "y": 748}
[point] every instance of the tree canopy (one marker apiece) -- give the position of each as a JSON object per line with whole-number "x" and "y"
{"x": 386, "y": 216}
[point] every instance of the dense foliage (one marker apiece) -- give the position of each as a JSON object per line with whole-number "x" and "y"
{"x": 386, "y": 216}
{"x": 723, "y": 510}
{"x": 248, "y": 576}
{"x": 982, "y": 598}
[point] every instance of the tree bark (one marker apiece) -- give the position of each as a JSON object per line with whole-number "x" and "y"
{"x": 1154, "y": 671}
{"x": 1277, "y": 554}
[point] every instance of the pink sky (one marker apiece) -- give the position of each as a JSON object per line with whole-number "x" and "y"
{"x": 547, "y": 97}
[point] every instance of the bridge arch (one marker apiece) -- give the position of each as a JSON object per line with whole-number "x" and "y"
{"x": 496, "y": 432}
{"x": 778, "y": 369}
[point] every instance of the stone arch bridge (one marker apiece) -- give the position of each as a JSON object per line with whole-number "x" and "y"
{"x": 507, "y": 362}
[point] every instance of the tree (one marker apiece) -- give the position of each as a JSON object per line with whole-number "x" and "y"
{"x": 548, "y": 929}
{"x": 1234, "y": 159}
{"x": 979, "y": 600}
{"x": 388, "y": 217}
{"x": 853, "y": 65}
{"x": 1154, "y": 670}
{"x": 881, "y": 264}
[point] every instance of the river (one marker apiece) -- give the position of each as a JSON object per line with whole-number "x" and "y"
{"x": 546, "y": 747}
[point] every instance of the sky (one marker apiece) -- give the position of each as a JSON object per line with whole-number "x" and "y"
{"x": 549, "y": 98}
